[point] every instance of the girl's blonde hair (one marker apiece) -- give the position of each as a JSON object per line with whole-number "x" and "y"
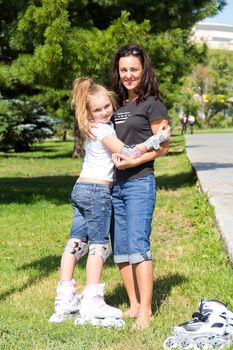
{"x": 83, "y": 90}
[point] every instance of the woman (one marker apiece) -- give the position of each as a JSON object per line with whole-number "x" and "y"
{"x": 141, "y": 114}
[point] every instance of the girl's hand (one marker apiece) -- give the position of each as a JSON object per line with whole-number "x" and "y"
{"x": 90, "y": 134}
{"x": 121, "y": 161}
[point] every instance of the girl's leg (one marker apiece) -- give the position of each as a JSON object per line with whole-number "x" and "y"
{"x": 74, "y": 250}
{"x": 66, "y": 300}
{"x": 144, "y": 274}
{"x": 94, "y": 267}
{"x": 98, "y": 217}
{"x": 68, "y": 262}
{"x": 131, "y": 286}
{"x": 93, "y": 304}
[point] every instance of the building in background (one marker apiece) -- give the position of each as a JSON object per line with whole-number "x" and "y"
{"x": 216, "y": 36}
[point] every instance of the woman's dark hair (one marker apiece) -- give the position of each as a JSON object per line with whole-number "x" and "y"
{"x": 148, "y": 85}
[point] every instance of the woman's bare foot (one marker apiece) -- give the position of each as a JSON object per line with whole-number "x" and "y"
{"x": 143, "y": 321}
{"x": 131, "y": 312}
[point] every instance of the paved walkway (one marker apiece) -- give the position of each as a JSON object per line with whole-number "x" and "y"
{"x": 212, "y": 157}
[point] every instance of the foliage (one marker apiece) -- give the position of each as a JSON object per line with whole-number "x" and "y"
{"x": 91, "y": 51}
{"x": 100, "y": 14}
{"x": 162, "y": 15}
{"x": 9, "y": 12}
{"x": 22, "y": 123}
{"x": 54, "y": 41}
{"x": 58, "y": 104}
{"x": 210, "y": 85}
{"x": 221, "y": 121}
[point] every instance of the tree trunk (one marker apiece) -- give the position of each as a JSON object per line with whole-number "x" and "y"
{"x": 206, "y": 121}
{"x": 78, "y": 150}
{"x": 64, "y": 136}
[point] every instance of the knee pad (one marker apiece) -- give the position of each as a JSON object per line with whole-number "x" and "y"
{"x": 76, "y": 247}
{"x": 101, "y": 250}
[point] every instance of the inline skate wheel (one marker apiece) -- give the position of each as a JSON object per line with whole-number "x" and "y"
{"x": 171, "y": 343}
{"x": 59, "y": 318}
{"x": 80, "y": 321}
{"x": 112, "y": 322}
{"x": 217, "y": 342}
{"x": 203, "y": 341}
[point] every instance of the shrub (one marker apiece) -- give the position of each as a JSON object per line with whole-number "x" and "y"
{"x": 22, "y": 123}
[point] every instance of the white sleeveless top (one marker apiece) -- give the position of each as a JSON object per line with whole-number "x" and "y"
{"x": 98, "y": 159}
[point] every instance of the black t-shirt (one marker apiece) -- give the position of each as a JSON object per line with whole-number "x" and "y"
{"x": 132, "y": 125}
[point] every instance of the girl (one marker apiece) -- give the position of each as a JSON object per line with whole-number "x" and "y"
{"x": 91, "y": 199}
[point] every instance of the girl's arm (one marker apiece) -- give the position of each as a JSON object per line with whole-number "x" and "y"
{"x": 115, "y": 145}
{"x": 153, "y": 142}
{"x": 122, "y": 162}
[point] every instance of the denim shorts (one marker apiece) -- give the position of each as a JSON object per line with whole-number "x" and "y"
{"x": 133, "y": 206}
{"x": 92, "y": 212}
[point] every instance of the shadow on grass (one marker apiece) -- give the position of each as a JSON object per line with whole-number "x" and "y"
{"x": 179, "y": 180}
{"x": 50, "y": 154}
{"x": 42, "y": 268}
{"x": 56, "y": 189}
{"x": 175, "y": 153}
{"x": 162, "y": 289}
{"x": 48, "y": 264}
{"x": 44, "y": 151}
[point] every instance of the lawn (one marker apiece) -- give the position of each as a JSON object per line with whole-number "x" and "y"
{"x": 35, "y": 215}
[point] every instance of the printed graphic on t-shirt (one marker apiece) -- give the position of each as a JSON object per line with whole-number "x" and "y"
{"x": 121, "y": 117}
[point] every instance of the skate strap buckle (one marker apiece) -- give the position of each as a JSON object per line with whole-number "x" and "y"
{"x": 201, "y": 317}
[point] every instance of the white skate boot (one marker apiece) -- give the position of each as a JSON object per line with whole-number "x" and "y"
{"x": 207, "y": 329}
{"x": 229, "y": 326}
{"x": 67, "y": 302}
{"x": 94, "y": 310}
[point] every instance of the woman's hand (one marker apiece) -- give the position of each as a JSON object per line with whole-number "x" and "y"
{"x": 90, "y": 133}
{"x": 121, "y": 161}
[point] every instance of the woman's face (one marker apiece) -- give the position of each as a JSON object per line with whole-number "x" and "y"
{"x": 130, "y": 71}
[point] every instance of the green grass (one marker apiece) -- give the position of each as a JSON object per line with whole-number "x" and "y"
{"x": 35, "y": 215}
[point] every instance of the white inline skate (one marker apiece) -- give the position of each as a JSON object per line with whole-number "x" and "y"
{"x": 67, "y": 302}
{"x": 209, "y": 329}
{"x": 95, "y": 311}
{"x": 229, "y": 326}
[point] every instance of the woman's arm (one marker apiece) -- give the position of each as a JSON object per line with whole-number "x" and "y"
{"x": 122, "y": 162}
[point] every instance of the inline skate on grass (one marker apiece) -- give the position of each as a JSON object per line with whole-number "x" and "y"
{"x": 95, "y": 311}
{"x": 210, "y": 328}
{"x": 67, "y": 302}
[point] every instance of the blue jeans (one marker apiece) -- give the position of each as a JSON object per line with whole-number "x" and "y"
{"x": 133, "y": 206}
{"x": 92, "y": 212}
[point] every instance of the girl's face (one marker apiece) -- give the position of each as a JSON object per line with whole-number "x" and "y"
{"x": 130, "y": 71}
{"x": 100, "y": 108}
